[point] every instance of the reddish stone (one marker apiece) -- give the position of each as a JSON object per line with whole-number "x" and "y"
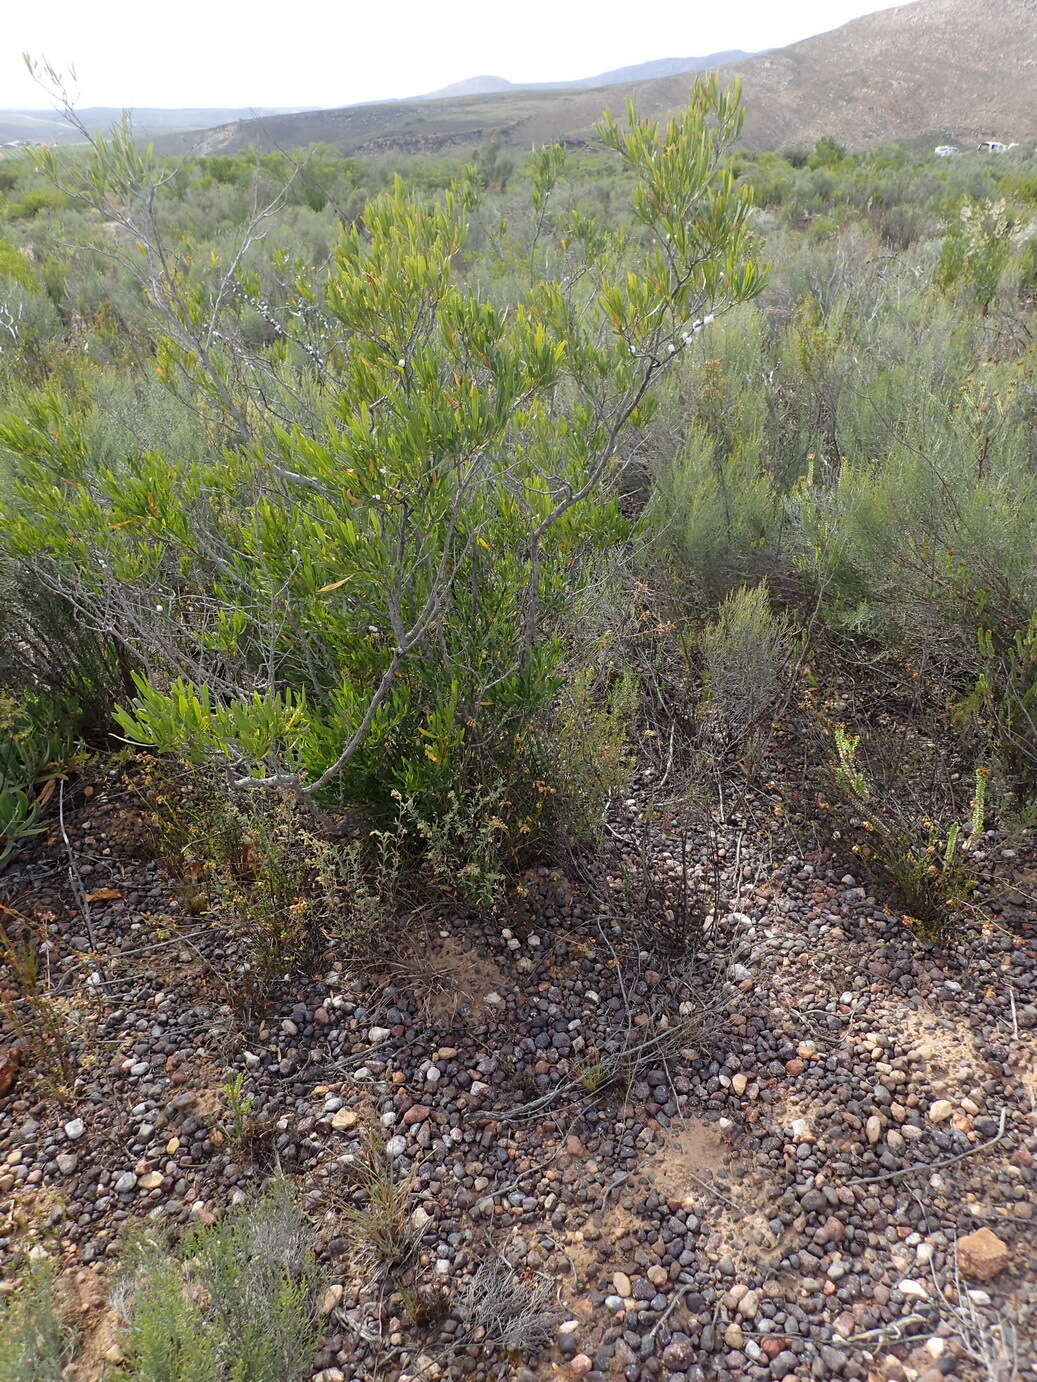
{"x": 795, "y": 1067}
{"x": 9, "y": 1058}
{"x": 417, "y": 1113}
{"x": 833, "y": 1230}
{"x": 982, "y": 1255}
{"x": 773, "y": 1345}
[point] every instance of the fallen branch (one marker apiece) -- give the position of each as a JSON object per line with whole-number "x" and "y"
{"x": 933, "y": 1165}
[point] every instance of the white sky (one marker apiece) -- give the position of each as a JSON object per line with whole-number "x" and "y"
{"x": 328, "y": 53}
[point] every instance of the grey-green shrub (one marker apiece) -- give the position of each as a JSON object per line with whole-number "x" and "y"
{"x": 238, "y": 1302}
{"x": 746, "y": 652}
{"x": 34, "y": 1344}
{"x": 719, "y": 517}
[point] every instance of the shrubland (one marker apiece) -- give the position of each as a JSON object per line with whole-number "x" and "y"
{"x": 397, "y": 511}
{"x": 343, "y": 565}
{"x": 310, "y": 468}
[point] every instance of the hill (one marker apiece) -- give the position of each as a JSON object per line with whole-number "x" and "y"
{"x": 639, "y": 72}
{"x": 959, "y": 70}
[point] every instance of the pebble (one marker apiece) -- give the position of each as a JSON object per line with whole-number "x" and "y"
{"x": 749, "y": 1305}
{"x": 331, "y": 1298}
{"x": 914, "y": 1290}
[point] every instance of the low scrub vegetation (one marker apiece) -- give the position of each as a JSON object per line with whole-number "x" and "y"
{"x": 746, "y": 654}
{"x": 235, "y": 1300}
{"x": 34, "y": 1344}
{"x": 338, "y": 485}
{"x": 239, "y": 1300}
{"x": 410, "y": 534}
{"x": 348, "y": 576}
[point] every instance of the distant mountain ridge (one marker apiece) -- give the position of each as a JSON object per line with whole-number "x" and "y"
{"x": 945, "y": 71}
{"x": 638, "y": 72}
{"x": 47, "y": 126}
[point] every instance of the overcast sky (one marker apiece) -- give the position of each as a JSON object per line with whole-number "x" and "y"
{"x": 335, "y": 52}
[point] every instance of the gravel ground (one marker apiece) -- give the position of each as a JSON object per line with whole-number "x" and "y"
{"x": 769, "y": 1160}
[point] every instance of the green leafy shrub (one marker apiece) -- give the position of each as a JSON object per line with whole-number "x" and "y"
{"x": 31, "y": 761}
{"x": 977, "y": 248}
{"x": 356, "y": 591}
{"x": 34, "y": 201}
{"x": 15, "y": 266}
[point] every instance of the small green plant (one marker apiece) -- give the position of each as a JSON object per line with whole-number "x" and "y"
{"x": 30, "y": 1009}
{"x": 240, "y": 1106}
{"x": 592, "y": 719}
{"x": 423, "y": 1306}
{"x": 848, "y": 774}
{"x": 34, "y": 1344}
{"x": 1005, "y": 695}
{"x": 927, "y": 864}
{"x": 259, "y": 865}
{"x": 463, "y": 844}
{"x": 365, "y": 876}
{"x": 591, "y": 1073}
{"x": 377, "y": 1218}
{"x": 978, "y": 813}
{"x": 30, "y": 764}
